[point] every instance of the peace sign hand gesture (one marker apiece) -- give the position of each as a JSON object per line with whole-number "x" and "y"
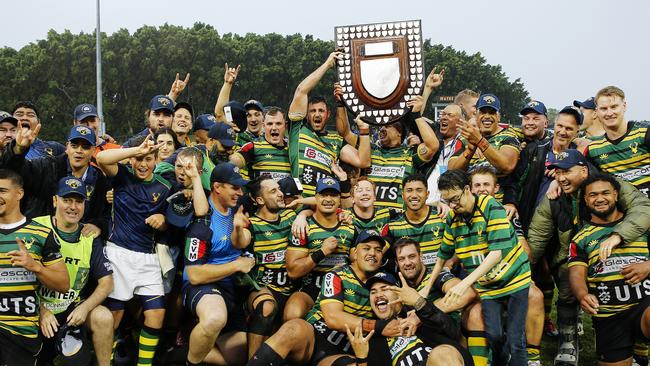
{"x": 407, "y": 294}
{"x": 358, "y": 342}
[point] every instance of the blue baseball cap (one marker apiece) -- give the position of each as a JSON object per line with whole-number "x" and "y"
{"x": 589, "y": 103}
{"x": 381, "y": 277}
{"x": 567, "y": 159}
{"x": 488, "y": 100}
{"x": 227, "y": 173}
{"x": 7, "y": 117}
{"x": 83, "y": 133}
{"x": 290, "y": 186}
{"x": 369, "y": 235}
{"x": 328, "y": 183}
{"x": 254, "y": 104}
{"x": 575, "y": 111}
{"x": 238, "y": 112}
{"x": 180, "y": 210}
{"x": 160, "y": 102}
{"x": 204, "y": 122}
{"x": 83, "y": 111}
{"x": 224, "y": 133}
{"x": 534, "y": 106}
{"x": 68, "y": 186}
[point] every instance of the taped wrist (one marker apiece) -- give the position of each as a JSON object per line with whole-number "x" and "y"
{"x": 317, "y": 256}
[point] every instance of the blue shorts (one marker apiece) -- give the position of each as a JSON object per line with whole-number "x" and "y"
{"x": 226, "y": 289}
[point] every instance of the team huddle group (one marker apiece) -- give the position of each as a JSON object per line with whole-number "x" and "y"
{"x": 255, "y": 236}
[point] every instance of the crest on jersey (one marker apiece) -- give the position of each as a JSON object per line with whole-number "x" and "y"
{"x": 155, "y": 196}
{"x": 382, "y": 68}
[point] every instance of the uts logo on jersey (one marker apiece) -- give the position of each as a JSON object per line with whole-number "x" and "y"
{"x": 331, "y": 285}
{"x": 195, "y": 249}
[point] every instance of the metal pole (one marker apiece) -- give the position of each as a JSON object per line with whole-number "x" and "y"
{"x": 100, "y": 104}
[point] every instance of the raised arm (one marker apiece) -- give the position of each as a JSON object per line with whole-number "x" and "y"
{"x": 342, "y": 123}
{"x": 433, "y": 81}
{"x": 108, "y": 159}
{"x": 298, "y": 107}
{"x": 178, "y": 86}
{"x": 229, "y": 78}
{"x": 359, "y": 158}
{"x": 430, "y": 143}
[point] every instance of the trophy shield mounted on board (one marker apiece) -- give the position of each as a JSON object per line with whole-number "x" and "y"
{"x": 381, "y": 69}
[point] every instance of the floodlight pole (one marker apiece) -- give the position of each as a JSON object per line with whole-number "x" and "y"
{"x": 100, "y": 104}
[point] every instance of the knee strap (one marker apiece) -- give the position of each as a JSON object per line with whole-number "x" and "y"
{"x": 260, "y": 324}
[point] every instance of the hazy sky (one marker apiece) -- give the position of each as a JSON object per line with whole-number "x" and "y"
{"x": 561, "y": 49}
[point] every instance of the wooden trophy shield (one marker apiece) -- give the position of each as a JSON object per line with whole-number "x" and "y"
{"x": 381, "y": 69}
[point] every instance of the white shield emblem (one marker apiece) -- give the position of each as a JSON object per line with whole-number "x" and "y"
{"x": 380, "y": 77}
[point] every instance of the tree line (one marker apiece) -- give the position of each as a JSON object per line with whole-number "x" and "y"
{"x": 58, "y": 73}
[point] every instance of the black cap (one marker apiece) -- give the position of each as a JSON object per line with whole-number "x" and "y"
{"x": 254, "y": 104}
{"x": 567, "y": 159}
{"x": 238, "y": 113}
{"x": 369, "y": 235}
{"x": 589, "y": 103}
{"x": 185, "y": 105}
{"x": 83, "y": 111}
{"x": 227, "y": 173}
{"x": 224, "y": 133}
{"x": 73, "y": 345}
{"x": 179, "y": 211}
{"x": 381, "y": 277}
{"x": 290, "y": 186}
{"x": 6, "y": 117}
{"x": 575, "y": 111}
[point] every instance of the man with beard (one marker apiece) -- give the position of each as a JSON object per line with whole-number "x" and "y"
{"x": 269, "y": 229}
{"x": 416, "y": 275}
{"x": 312, "y": 149}
{"x": 563, "y": 217}
{"x": 326, "y": 246}
{"x": 364, "y": 213}
{"x": 592, "y": 128}
{"x": 8, "y": 126}
{"x": 30, "y": 258}
{"x": 203, "y": 124}
{"x": 343, "y": 301}
{"x": 27, "y": 115}
{"x": 390, "y": 160}
{"x": 480, "y": 234}
{"x": 139, "y": 203}
{"x": 611, "y": 283}
{"x": 450, "y": 117}
{"x": 42, "y": 175}
{"x": 624, "y": 150}
{"x": 498, "y": 146}
{"x": 159, "y": 114}
{"x": 213, "y": 257}
{"x": 221, "y": 142}
{"x": 436, "y": 341}
{"x": 419, "y": 221}
{"x": 268, "y": 156}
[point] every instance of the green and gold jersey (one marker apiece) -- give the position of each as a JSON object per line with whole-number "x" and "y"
{"x": 628, "y": 157}
{"x": 428, "y": 233}
{"x": 311, "y": 154}
{"x": 18, "y": 301}
{"x": 344, "y": 234}
{"x": 269, "y": 241}
{"x": 342, "y": 285}
{"x": 388, "y": 169}
{"x": 604, "y": 278}
{"x": 472, "y": 238}
{"x": 264, "y": 159}
{"x": 408, "y": 351}
{"x": 379, "y": 219}
{"x": 246, "y": 137}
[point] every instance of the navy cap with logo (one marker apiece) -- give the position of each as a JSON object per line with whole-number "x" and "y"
{"x": 83, "y": 111}
{"x": 290, "y": 186}
{"x": 7, "y": 117}
{"x": 575, "y": 111}
{"x": 204, "y": 122}
{"x": 161, "y": 102}
{"x": 534, "y": 106}
{"x": 238, "y": 113}
{"x": 488, "y": 100}
{"x": 80, "y": 132}
{"x": 224, "y": 133}
{"x": 254, "y": 104}
{"x": 180, "y": 210}
{"x": 73, "y": 345}
{"x": 381, "y": 277}
{"x": 589, "y": 103}
{"x": 328, "y": 183}
{"x": 227, "y": 173}
{"x": 69, "y": 186}
{"x": 369, "y": 235}
{"x": 567, "y": 159}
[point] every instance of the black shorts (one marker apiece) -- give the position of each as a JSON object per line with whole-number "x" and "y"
{"x": 234, "y": 303}
{"x": 17, "y": 350}
{"x": 328, "y": 342}
{"x": 615, "y": 335}
{"x": 312, "y": 290}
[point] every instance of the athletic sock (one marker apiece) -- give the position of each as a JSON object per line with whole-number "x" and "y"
{"x": 641, "y": 353}
{"x": 147, "y": 343}
{"x": 477, "y": 345}
{"x": 533, "y": 352}
{"x": 265, "y": 356}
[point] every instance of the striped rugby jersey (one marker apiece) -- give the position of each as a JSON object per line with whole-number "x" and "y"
{"x": 604, "y": 279}
{"x": 428, "y": 233}
{"x": 487, "y": 229}
{"x": 263, "y": 158}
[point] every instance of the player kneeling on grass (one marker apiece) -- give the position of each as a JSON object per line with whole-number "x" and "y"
{"x": 479, "y": 233}
{"x": 610, "y": 280}
{"x": 63, "y": 314}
